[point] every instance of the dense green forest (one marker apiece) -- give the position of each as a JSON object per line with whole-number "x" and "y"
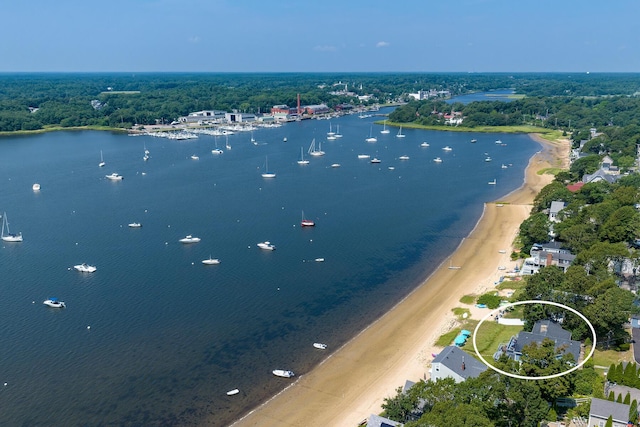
{"x": 65, "y": 100}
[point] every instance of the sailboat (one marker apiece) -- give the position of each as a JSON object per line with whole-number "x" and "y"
{"x": 306, "y": 222}
{"x": 102, "y": 163}
{"x": 338, "y": 134}
{"x": 312, "y": 149}
{"x": 400, "y": 135}
{"x": 302, "y": 161}
{"x": 8, "y": 236}
{"x": 371, "y": 137}
{"x": 384, "y": 128}
{"x": 227, "y": 143}
{"x": 253, "y": 140}
{"x": 331, "y": 132}
{"x": 146, "y": 153}
{"x": 266, "y": 173}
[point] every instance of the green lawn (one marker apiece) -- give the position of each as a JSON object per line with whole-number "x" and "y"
{"x": 468, "y": 299}
{"x": 491, "y": 334}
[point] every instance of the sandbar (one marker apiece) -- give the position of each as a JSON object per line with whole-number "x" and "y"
{"x": 352, "y": 383}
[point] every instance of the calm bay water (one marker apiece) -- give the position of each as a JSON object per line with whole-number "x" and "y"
{"x": 169, "y": 336}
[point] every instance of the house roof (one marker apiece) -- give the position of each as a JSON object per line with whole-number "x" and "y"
{"x": 548, "y": 329}
{"x": 556, "y": 206}
{"x": 378, "y": 421}
{"x": 575, "y": 187}
{"x": 603, "y": 408}
{"x": 460, "y": 362}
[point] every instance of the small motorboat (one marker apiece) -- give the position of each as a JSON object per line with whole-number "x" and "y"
{"x": 85, "y": 268}
{"x": 320, "y": 345}
{"x": 233, "y": 392}
{"x": 447, "y": 148}
{"x": 189, "y": 239}
{"x": 424, "y": 144}
{"x": 335, "y": 165}
{"x": 319, "y": 260}
{"x": 54, "y": 303}
{"x": 211, "y": 261}
{"x": 375, "y": 160}
{"x": 114, "y": 177}
{"x": 266, "y": 246}
{"x": 216, "y": 151}
{"x": 363, "y": 156}
{"x": 474, "y": 140}
{"x": 283, "y": 373}
{"x": 437, "y": 160}
{"x": 36, "y": 187}
{"x": 403, "y": 158}
{"x": 135, "y": 225}
{"x": 194, "y": 157}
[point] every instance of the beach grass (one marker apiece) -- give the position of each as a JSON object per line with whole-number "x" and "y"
{"x": 511, "y": 284}
{"x": 468, "y": 299}
{"x": 460, "y": 312}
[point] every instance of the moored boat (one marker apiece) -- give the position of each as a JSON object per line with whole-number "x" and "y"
{"x": 267, "y": 246}
{"x": 233, "y": 392}
{"x": 189, "y": 239}
{"x": 114, "y": 177}
{"x": 8, "y": 236}
{"x": 211, "y": 261}
{"x": 437, "y": 160}
{"x": 135, "y": 225}
{"x": 85, "y": 268}
{"x": 306, "y": 222}
{"x": 54, "y": 303}
{"x": 283, "y": 373}
{"x": 320, "y": 345}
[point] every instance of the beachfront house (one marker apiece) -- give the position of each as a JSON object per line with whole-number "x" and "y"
{"x": 454, "y": 363}
{"x": 543, "y": 329}
{"x": 378, "y": 421}
{"x": 556, "y": 207}
{"x": 602, "y": 409}
{"x": 545, "y": 254}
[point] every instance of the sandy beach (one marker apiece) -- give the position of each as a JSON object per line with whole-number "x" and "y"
{"x": 353, "y": 382}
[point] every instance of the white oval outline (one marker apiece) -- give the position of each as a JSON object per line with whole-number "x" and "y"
{"x": 546, "y": 377}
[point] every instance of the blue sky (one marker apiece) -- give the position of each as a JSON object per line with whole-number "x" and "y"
{"x": 319, "y": 36}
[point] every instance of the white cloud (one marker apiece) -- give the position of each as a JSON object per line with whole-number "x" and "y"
{"x": 382, "y": 44}
{"x": 194, "y": 39}
{"x": 325, "y": 48}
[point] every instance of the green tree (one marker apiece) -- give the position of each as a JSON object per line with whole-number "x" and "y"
{"x": 609, "y": 422}
{"x": 534, "y": 229}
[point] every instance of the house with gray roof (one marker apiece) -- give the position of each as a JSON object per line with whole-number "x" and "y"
{"x": 556, "y": 206}
{"x": 602, "y": 409}
{"x": 452, "y": 362}
{"x": 378, "y": 421}
{"x": 545, "y": 254}
{"x": 543, "y": 329}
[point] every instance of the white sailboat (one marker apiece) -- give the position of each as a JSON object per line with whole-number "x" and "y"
{"x": 266, "y": 173}
{"x": 8, "y": 236}
{"x": 338, "y": 134}
{"x": 102, "y": 163}
{"x": 400, "y": 135}
{"x": 331, "y": 132}
{"x": 302, "y": 161}
{"x": 227, "y": 142}
{"x": 312, "y": 149}
{"x": 253, "y": 140}
{"x": 371, "y": 137}
{"x": 384, "y": 128}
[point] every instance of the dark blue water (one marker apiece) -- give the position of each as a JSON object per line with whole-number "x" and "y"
{"x": 169, "y": 336}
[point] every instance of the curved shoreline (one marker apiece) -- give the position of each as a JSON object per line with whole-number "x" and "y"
{"x": 352, "y": 383}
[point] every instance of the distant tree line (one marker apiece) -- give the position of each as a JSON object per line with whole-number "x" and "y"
{"x": 37, "y": 101}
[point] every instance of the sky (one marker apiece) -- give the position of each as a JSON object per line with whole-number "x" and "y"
{"x": 319, "y": 36}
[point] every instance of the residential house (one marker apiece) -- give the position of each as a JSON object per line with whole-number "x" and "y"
{"x": 378, "y": 421}
{"x": 556, "y": 206}
{"x": 545, "y": 254}
{"x": 602, "y": 409}
{"x": 541, "y": 330}
{"x": 607, "y": 172}
{"x": 455, "y": 363}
